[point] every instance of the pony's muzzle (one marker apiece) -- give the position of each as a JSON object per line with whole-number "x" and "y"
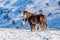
{"x": 23, "y": 22}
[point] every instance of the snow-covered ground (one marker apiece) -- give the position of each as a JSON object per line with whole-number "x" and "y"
{"x": 11, "y": 15}
{"x": 23, "y": 34}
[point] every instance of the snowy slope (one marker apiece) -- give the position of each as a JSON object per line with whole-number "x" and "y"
{"x": 14, "y": 11}
{"x": 21, "y": 34}
{"x": 11, "y": 15}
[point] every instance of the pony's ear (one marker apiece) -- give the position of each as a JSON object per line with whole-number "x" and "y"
{"x": 25, "y": 12}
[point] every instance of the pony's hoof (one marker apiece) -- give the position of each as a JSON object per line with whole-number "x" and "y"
{"x": 33, "y": 30}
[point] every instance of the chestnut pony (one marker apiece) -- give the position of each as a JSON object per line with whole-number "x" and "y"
{"x": 34, "y": 19}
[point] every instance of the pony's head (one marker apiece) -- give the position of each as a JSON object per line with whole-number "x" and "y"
{"x": 26, "y": 15}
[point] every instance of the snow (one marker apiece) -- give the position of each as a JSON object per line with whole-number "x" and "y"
{"x": 15, "y": 8}
{"x": 23, "y": 34}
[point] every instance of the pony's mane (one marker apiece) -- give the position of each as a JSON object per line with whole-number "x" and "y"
{"x": 28, "y": 12}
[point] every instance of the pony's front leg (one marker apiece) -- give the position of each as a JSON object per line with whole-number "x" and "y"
{"x": 33, "y": 27}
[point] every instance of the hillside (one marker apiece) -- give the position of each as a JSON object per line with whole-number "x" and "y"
{"x": 11, "y": 12}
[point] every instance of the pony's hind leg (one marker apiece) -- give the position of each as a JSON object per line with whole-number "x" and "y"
{"x": 33, "y": 28}
{"x": 41, "y": 27}
{"x": 46, "y": 26}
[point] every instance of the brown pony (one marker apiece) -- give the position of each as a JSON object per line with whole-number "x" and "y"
{"x": 34, "y": 19}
